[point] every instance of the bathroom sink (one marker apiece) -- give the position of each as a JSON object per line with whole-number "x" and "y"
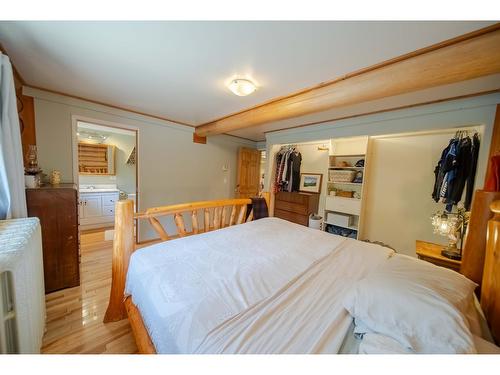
{"x": 98, "y": 190}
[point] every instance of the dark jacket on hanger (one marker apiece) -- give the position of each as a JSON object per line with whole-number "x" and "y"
{"x": 442, "y": 167}
{"x": 472, "y": 174}
{"x": 296, "y": 161}
{"x": 455, "y": 169}
{"x": 493, "y": 182}
{"x": 461, "y": 172}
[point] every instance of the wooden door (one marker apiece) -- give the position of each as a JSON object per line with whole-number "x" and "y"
{"x": 248, "y": 181}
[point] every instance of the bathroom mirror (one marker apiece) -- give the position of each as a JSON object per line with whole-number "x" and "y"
{"x": 96, "y": 159}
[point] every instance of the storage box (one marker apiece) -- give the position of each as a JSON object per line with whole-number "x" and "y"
{"x": 342, "y": 220}
{"x": 342, "y": 175}
{"x": 344, "y": 193}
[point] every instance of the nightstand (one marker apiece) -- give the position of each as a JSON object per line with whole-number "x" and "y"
{"x": 431, "y": 252}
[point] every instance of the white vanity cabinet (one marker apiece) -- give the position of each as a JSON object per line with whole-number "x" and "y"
{"x": 97, "y": 209}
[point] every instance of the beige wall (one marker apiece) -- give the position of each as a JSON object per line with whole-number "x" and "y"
{"x": 315, "y": 161}
{"x": 400, "y": 179}
{"x": 395, "y": 217}
{"x": 125, "y": 173}
{"x": 172, "y": 169}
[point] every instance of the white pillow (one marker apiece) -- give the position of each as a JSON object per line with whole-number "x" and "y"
{"x": 375, "y": 343}
{"x": 418, "y": 304}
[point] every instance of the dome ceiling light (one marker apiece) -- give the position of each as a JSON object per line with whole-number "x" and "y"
{"x": 241, "y": 86}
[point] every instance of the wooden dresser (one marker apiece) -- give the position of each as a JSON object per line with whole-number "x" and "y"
{"x": 295, "y": 207}
{"x": 57, "y": 209}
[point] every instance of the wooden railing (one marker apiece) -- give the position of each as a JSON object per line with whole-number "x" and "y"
{"x": 215, "y": 214}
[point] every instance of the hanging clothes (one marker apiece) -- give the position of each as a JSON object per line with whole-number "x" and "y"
{"x": 295, "y": 173}
{"x": 440, "y": 173}
{"x": 455, "y": 169}
{"x": 493, "y": 181}
{"x": 287, "y": 177}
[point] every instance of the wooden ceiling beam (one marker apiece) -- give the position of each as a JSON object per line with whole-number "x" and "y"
{"x": 458, "y": 60}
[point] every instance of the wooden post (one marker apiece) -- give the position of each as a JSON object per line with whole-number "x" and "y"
{"x": 494, "y": 145}
{"x": 123, "y": 247}
{"x": 474, "y": 248}
{"x": 490, "y": 288}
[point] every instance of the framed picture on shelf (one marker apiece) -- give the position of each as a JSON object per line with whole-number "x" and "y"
{"x": 310, "y": 182}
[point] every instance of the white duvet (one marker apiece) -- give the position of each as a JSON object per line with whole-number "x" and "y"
{"x": 268, "y": 286}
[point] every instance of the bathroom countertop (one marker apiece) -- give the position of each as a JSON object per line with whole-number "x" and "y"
{"x": 98, "y": 188}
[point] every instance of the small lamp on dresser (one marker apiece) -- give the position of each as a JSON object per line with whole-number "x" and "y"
{"x": 451, "y": 225}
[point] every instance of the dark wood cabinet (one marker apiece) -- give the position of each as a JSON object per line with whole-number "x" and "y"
{"x": 295, "y": 207}
{"x": 57, "y": 209}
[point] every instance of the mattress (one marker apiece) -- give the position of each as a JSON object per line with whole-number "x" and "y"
{"x": 268, "y": 286}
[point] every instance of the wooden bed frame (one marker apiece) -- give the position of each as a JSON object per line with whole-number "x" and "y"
{"x": 216, "y": 214}
{"x": 220, "y": 213}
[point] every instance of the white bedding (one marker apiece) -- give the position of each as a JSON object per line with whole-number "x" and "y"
{"x": 268, "y": 286}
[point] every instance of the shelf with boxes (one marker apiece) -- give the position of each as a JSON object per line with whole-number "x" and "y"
{"x": 343, "y": 207}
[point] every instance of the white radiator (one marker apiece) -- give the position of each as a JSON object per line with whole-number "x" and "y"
{"x": 22, "y": 291}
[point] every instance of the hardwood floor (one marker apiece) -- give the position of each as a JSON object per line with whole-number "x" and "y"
{"x": 74, "y": 316}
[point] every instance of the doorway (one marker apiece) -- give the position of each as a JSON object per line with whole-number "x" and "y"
{"x": 248, "y": 182}
{"x": 105, "y": 165}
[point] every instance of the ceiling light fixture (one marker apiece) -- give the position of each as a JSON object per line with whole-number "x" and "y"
{"x": 92, "y": 136}
{"x": 242, "y": 87}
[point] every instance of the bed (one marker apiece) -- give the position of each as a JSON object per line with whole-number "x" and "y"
{"x": 237, "y": 285}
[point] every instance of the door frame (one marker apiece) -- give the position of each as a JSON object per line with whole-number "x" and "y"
{"x": 109, "y": 124}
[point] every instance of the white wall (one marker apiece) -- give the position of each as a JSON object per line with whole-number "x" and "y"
{"x": 125, "y": 173}
{"x": 172, "y": 169}
{"x": 476, "y": 111}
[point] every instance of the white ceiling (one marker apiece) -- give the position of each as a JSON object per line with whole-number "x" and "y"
{"x": 178, "y": 69}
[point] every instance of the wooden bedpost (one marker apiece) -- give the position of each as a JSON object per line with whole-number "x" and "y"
{"x": 123, "y": 247}
{"x": 490, "y": 288}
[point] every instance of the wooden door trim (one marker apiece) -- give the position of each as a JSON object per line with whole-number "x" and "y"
{"x": 109, "y": 124}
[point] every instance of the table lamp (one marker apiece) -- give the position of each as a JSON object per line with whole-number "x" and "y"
{"x": 452, "y": 226}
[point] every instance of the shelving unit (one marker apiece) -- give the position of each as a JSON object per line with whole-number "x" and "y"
{"x": 343, "y": 214}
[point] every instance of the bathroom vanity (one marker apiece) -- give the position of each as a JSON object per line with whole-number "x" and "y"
{"x": 97, "y": 206}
